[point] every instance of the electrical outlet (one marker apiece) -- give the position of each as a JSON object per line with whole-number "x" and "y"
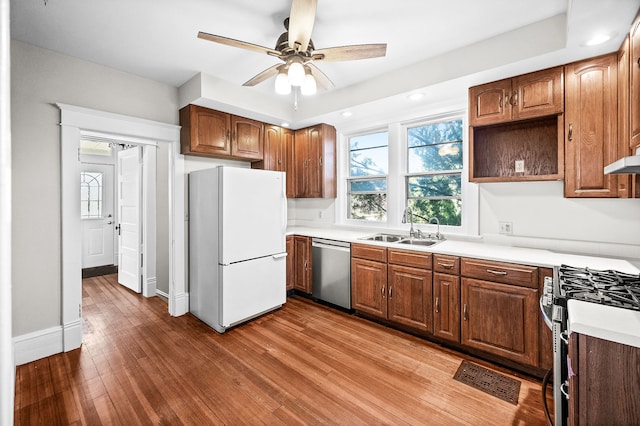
{"x": 506, "y": 228}
{"x": 519, "y": 166}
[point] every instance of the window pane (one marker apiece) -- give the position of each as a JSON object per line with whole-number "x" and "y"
{"x": 90, "y": 195}
{"x": 448, "y": 212}
{"x": 435, "y": 147}
{"x": 447, "y": 131}
{"x": 368, "y": 207}
{"x": 368, "y": 155}
{"x": 434, "y": 158}
{"x": 95, "y": 148}
{"x": 434, "y": 186}
{"x": 372, "y": 185}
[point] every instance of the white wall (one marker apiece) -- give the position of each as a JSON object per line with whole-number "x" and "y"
{"x": 39, "y": 79}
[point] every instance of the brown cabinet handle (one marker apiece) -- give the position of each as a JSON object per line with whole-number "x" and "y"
{"x": 383, "y": 292}
{"x": 570, "y": 136}
{"x": 437, "y": 305}
{"x": 639, "y": 61}
{"x": 464, "y": 312}
{"x": 390, "y": 291}
{"x": 506, "y": 101}
{"x": 514, "y": 99}
{"x": 228, "y": 135}
{"x": 320, "y": 161}
{"x": 499, "y": 102}
{"x": 306, "y": 264}
{"x": 446, "y": 265}
{"x": 491, "y": 271}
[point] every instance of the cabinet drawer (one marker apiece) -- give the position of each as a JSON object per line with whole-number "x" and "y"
{"x": 501, "y": 272}
{"x": 410, "y": 258}
{"x": 365, "y": 251}
{"x": 446, "y": 264}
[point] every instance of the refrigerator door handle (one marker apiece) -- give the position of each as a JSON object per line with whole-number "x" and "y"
{"x": 284, "y": 205}
{"x": 279, "y": 255}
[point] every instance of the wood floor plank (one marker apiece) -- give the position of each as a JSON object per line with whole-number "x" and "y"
{"x": 302, "y": 364}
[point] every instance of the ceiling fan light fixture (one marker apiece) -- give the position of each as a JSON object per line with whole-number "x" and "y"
{"x": 296, "y": 73}
{"x": 309, "y": 86}
{"x": 283, "y": 87}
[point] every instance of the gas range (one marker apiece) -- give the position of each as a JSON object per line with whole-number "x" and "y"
{"x": 611, "y": 288}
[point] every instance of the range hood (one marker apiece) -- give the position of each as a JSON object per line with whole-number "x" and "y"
{"x": 625, "y": 165}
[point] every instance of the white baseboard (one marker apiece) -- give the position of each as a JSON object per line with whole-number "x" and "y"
{"x": 39, "y": 344}
{"x": 72, "y": 335}
{"x": 162, "y": 293}
{"x": 149, "y": 288}
{"x": 179, "y": 305}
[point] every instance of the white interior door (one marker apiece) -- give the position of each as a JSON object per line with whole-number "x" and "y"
{"x": 97, "y": 208}
{"x": 129, "y": 214}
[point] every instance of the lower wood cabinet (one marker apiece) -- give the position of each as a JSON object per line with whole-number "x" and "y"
{"x": 501, "y": 319}
{"x": 291, "y": 276}
{"x": 409, "y": 297}
{"x": 302, "y": 263}
{"x": 446, "y": 306}
{"x": 369, "y": 287}
{"x": 604, "y": 387}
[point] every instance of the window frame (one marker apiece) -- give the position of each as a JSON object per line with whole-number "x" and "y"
{"x": 449, "y": 172}
{"x": 350, "y": 179}
{"x": 396, "y": 185}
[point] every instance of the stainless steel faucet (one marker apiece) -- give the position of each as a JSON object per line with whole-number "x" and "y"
{"x": 438, "y": 235}
{"x": 412, "y": 232}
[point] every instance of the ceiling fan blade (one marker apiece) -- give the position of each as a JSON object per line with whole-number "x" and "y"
{"x": 268, "y": 73}
{"x": 237, "y": 43}
{"x": 321, "y": 78}
{"x": 301, "y": 19}
{"x": 350, "y": 53}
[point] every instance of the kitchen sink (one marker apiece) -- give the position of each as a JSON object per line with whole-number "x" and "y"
{"x": 401, "y": 239}
{"x": 418, "y": 242}
{"x": 387, "y": 238}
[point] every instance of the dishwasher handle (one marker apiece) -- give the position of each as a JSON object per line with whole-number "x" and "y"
{"x": 331, "y": 245}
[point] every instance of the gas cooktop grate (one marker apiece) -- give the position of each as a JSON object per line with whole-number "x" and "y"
{"x": 606, "y": 287}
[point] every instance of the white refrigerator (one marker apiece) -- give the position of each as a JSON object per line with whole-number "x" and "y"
{"x": 237, "y": 250}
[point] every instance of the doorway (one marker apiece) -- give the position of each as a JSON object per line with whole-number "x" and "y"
{"x": 78, "y": 122}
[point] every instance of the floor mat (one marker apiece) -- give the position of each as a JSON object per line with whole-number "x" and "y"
{"x": 488, "y": 381}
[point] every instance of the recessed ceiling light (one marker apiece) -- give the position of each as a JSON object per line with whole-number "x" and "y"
{"x": 416, "y": 96}
{"x": 284, "y": 124}
{"x": 598, "y": 39}
{"x": 346, "y": 114}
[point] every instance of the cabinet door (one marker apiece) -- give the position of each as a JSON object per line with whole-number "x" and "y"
{"x": 624, "y": 181}
{"x": 204, "y": 131}
{"x": 287, "y": 140}
{"x": 591, "y": 127}
{"x": 489, "y": 103}
{"x": 537, "y": 94}
{"x": 369, "y": 287}
{"x": 634, "y": 95}
{"x": 301, "y": 162}
{"x": 246, "y": 138}
{"x": 500, "y": 319}
{"x": 290, "y": 263}
{"x": 409, "y": 297}
{"x": 272, "y": 158}
{"x": 302, "y": 256}
{"x": 446, "y": 306}
{"x": 314, "y": 168}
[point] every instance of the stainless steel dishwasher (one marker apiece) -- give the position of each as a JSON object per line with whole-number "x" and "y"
{"x": 331, "y": 262}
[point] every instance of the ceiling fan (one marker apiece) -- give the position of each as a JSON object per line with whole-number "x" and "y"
{"x": 296, "y": 50}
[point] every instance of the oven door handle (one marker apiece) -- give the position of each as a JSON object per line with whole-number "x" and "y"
{"x": 564, "y": 388}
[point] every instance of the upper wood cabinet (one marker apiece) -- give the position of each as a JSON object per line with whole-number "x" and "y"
{"x": 246, "y": 138}
{"x": 278, "y": 154}
{"x": 625, "y": 182}
{"x": 210, "y": 133}
{"x": 634, "y": 61}
{"x": 205, "y": 132}
{"x": 517, "y": 128}
{"x": 527, "y": 96}
{"x": 591, "y": 127}
{"x": 315, "y": 162}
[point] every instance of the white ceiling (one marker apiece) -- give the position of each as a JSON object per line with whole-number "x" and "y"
{"x": 157, "y": 39}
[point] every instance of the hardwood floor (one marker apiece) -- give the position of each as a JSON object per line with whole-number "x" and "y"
{"x": 302, "y": 364}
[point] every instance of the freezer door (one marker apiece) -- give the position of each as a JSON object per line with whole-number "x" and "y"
{"x": 253, "y": 214}
{"x": 253, "y": 287}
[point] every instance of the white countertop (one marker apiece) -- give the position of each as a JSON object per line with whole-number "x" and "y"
{"x": 478, "y": 249}
{"x": 605, "y": 322}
